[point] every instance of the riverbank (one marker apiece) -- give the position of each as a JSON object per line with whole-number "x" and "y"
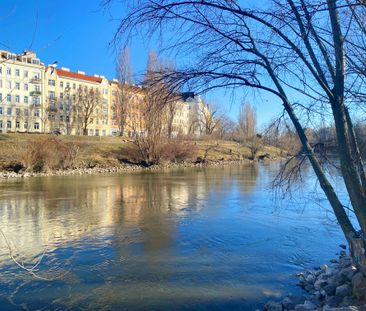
{"x": 25, "y": 155}
{"x": 338, "y": 286}
{"x": 123, "y": 168}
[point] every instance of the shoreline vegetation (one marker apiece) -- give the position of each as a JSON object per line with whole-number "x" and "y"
{"x": 30, "y": 155}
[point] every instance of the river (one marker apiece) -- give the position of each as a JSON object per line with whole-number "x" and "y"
{"x": 185, "y": 239}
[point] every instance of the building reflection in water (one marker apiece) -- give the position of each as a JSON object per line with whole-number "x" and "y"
{"x": 46, "y": 213}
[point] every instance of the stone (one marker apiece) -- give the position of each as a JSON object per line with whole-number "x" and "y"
{"x": 349, "y": 308}
{"x": 330, "y": 289}
{"x": 343, "y": 290}
{"x": 306, "y": 306}
{"x": 348, "y": 272}
{"x": 310, "y": 279}
{"x": 288, "y": 304}
{"x": 320, "y": 283}
{"x": 344, "y": 246}
{"x": 273, "y": 306}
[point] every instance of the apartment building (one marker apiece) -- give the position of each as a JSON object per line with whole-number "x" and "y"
{"x": 21, "y": 92}
{"x": 76, "y": 103}
{"x": 35, "y": 98}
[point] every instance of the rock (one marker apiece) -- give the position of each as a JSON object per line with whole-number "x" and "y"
{"x": 334, "y": 260}
{"x": 348, "y": 272}
{"x": 330, "y": 289}
{"x": 288, "y": 304}
{"x": 273, "y": 306}
{"x": 333, "y": 301}
{"x": 349, "y": 308}
{"x": 359, "y": 285}
{"x": 310, "y": 279}
{"x": 320, "y": 283}
{"x": 306, "y": 306}
{"x": 343, "y": 290}
{"x": 323, "y": 268}
{"x": 330, "y": 271}
{"x": 344, "y": 246}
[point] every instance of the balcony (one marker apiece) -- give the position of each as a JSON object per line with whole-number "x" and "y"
{"x": 36, "y": 105}
{"x": 35, "y": 93}
{"x": 35, "y": 80}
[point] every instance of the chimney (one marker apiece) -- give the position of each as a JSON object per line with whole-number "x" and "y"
{"x": 81, "y": 72}
{"x": 65, "y": 69}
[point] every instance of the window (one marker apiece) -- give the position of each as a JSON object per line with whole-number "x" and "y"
{"x": 25, "y": 125}
{"x": 36, "y": 100}
{"x": 36, "y": 126}
{"x": 35, "y": 61}
{"x": 51, "y": 82}
{"x": 17, "y": 85}
{"x": 17, "y": 98}
{"x": 61, "y": 95}
{"x": 8, "y": 71}
{"x": 1, "y": 97}
{"x": 114, "y": 93}
{"x": 74, "y": 86}
{"x": 1, "y": 70}
{"x": 8, "y": 124}
{"x": 17, "y": 72}
{"x": 26, "y": 112}
{"x": 25, "y": 99}
{"x": 1, "y": 110}
{"x": 61, "y": 84}
{"x": 67, "y": 84}
{"x": 1, "y": 124}
{"x": 8, "y": 98}
{"x": 61, "y": 118}
{"x": 8, "y": 111}
{"x": 17, "y": 112}
{"x": 25, "y": 73}
{"x": 25, "y": 86}
{"x": 51, "y": 95}
{"x": 17, "y": 124}
{"x": 36, "y": 113}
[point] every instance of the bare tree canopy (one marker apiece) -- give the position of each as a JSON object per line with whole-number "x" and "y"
{"x": 310, "y": 54}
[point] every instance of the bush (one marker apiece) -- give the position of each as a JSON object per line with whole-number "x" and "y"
{"x": 46, "y": 154}
{"x": 177, "y": 151}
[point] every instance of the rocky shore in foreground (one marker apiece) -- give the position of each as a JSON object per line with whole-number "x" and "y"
{"x": 123, "y": 168}
{"x": 338, "y": 286}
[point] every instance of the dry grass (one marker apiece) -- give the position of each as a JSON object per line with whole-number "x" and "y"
{"x": 45, "y": 152}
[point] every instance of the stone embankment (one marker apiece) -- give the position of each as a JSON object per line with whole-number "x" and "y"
{"x": 335, "y": 287}
{"x": 118, "y": 169}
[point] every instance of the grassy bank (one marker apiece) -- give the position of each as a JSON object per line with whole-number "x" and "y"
{"x": 44, "y": 153}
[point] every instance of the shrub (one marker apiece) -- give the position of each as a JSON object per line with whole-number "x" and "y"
{"x": 46, "y": 154}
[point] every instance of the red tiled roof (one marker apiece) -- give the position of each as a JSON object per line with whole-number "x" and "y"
{"x": 79, "y": 76}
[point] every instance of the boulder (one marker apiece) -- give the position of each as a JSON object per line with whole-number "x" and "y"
{"x": 306, "y": 306}
{"x": 273, "y": 306}
{"x": 343, "y": 290}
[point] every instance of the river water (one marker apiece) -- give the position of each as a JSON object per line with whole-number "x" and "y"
{"x": 188, "y": 239}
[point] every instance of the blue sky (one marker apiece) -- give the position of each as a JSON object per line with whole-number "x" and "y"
{"x": 77, "y": 34}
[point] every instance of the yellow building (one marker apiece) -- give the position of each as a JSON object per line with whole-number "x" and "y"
{"x": 42, "y": 99}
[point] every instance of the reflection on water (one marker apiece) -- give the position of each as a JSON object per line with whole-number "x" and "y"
{"x": 193, "y": 239}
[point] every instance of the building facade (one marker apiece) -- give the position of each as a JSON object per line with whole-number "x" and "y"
{"x": 35, "y": 98}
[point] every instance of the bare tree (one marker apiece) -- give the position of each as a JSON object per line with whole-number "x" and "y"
{"x": 88, "y": 100}
{"x": 125, "y": 79}
{"x": 247, "y": 122}
{"x": 283, "y": 45}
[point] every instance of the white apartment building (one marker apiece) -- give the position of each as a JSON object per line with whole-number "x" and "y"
{"x": 21, "y": 93}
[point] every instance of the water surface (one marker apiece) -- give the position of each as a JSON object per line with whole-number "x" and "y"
{"x": 190, "y": 239}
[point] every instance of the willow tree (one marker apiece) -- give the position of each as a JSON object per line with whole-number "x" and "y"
{"x": 296, "y": 50}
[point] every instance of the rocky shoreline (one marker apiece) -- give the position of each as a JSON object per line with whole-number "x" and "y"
{"x": 123, "y": 168}
{"x": 338, "y": 286}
